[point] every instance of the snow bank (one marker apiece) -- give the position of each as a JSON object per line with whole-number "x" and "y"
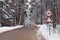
{"x": 4, "y": 29}
{"x": 45, "y": 32}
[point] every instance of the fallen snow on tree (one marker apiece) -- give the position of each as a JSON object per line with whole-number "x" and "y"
{"x": 1, "y": 0}
{"x": 29, "y": 20}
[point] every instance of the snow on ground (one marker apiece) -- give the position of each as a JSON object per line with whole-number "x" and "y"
{"x": 42, "y": 29}
{"x": 45, "y": 32}
{"x": 4, "y": 29}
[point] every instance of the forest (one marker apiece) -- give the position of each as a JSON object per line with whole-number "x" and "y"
{"x": 21, "y": 12}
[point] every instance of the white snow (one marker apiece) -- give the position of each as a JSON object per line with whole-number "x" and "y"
{"x": 42, "y": 29}
{"x": 12, "y": 10}
{"x": 45, "y": 32}
{"x": 1, "y": 0}
{"x": 29, "y": 19}
{"x": 10, "y": 1}
{"x": 5, "y": 29}
{"x": 29, "y": 0}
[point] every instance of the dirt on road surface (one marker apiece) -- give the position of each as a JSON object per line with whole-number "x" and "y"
{"x": 24, "y": 33}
